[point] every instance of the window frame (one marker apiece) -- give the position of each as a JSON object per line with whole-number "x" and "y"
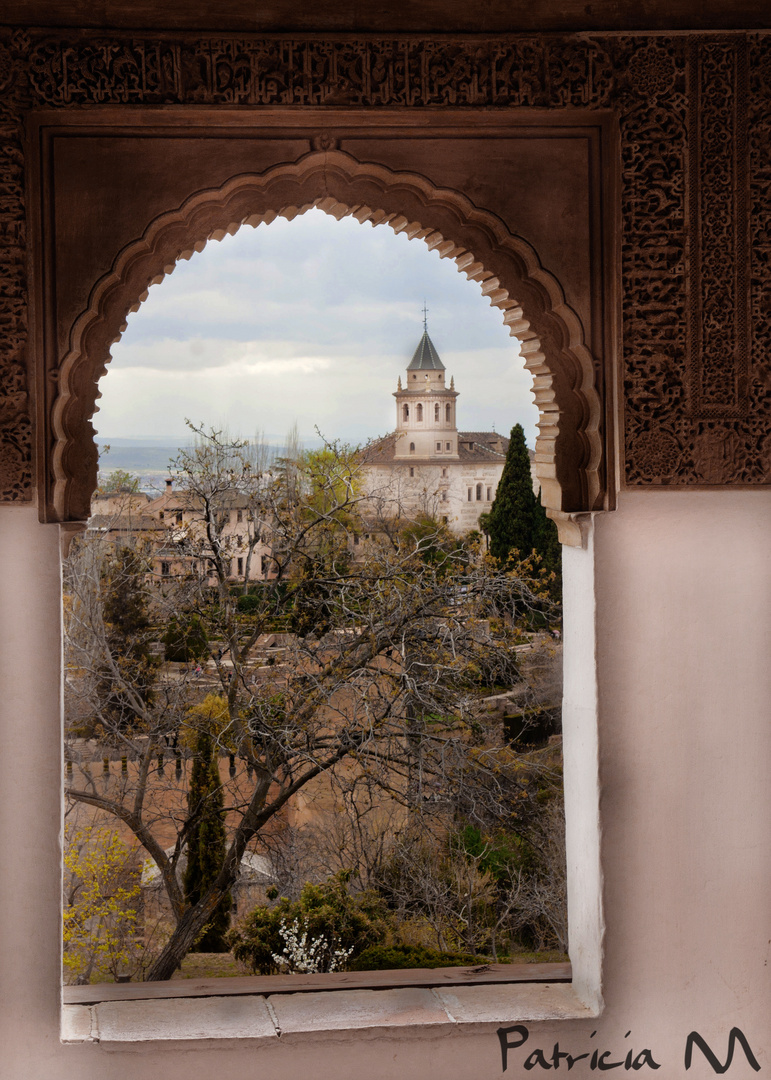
{"x": 597, "y": 894}
{"x": 110, "y": 1013}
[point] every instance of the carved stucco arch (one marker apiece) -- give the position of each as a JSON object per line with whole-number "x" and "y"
{"x": 568, "y": 447}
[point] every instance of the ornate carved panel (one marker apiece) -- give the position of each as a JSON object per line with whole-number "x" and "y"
{"x": 15, "y": 419}
{"x": 507, "y": 269}
{"x": 694, "y": 114}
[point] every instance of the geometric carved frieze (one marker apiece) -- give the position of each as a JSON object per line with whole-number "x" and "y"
{"x": 695, "y": 192}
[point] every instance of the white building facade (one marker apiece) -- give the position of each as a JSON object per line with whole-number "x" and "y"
{"x": 428, "y": 467}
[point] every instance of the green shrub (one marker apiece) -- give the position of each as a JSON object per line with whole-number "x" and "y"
{"x": 185, "y": 641}
{"x": 387, "y": 957}
{"x": 347, "y": 921}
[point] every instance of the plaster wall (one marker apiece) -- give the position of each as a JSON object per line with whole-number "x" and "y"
{"x": 670, "y": 595}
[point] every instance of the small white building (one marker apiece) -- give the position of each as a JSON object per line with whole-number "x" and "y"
{"x": 428, "y": 467}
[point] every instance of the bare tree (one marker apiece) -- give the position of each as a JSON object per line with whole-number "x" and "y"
{"x": 386, "y": 652}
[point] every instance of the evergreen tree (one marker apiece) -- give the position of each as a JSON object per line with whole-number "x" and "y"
{"x": 185, "y": 640}
{"x": 206, "y": 842}
{"x": 517, "y": 521}
{"x": 511, "y": 522}
{"x": 547, "y": 544}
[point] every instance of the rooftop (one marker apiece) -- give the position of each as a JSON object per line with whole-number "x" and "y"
{"x": 480, "y": 446}
{"x": 426, "y": 357}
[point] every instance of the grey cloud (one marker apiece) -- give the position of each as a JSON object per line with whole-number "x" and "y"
{"x": 229, "y": 331}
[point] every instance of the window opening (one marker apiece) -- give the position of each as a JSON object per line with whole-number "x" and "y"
{"x": 180, "y": 646}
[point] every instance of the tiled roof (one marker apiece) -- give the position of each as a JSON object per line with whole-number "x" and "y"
{"x": 380, "y": 451}
{"x": 481, "y": 449}
{"x": 426, "y": 357}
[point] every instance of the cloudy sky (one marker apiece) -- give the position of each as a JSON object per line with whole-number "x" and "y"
{"x": 309, "y": 321}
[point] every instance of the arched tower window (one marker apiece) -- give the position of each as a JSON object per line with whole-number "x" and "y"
{"x": 405, "y": 412}
{"x": 479, "y": 492}
{"x": 419, "y": 412}
{"x": 448, "y": 412}
{"x": 412, "y": 447}
{"x": 436, "y": 413}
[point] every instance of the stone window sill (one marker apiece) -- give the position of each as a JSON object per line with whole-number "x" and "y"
{"x": 200, "y": 1013}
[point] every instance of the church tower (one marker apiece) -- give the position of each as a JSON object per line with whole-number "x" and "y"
{"x": 425, "y": 409}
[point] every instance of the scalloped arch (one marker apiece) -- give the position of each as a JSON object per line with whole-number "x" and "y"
{"x": 568, "y": 447}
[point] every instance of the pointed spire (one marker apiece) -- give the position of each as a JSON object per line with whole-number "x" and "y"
{"x": 452, "y": 382}
{"x": 399, "y": 384}
{"x": 426, "y": 357}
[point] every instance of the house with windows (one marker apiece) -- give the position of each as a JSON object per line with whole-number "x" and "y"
{"x": 427, "y": 467}
{"x": 172, "y": 529}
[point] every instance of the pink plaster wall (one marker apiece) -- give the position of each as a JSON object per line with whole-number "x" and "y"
{"x": 683, "y": 628}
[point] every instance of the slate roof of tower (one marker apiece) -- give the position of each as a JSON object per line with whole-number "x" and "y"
{"x": 426, "y": 357}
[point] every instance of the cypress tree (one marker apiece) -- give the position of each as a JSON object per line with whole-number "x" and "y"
{"x": 517, "y": 521}
{"x": 548, "y": 546}
{"x": 206, "y": 842}
{"x": 511, "y": 522}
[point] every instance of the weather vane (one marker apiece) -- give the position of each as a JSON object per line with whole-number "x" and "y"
{"x": 425, "y": 316}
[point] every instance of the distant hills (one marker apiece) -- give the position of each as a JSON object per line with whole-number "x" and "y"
{"x": 149, "y": 457}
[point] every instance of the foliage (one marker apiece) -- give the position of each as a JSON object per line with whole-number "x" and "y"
{"x": 185, "y": 640}
{"x": 390, "y": 655}
{"x": 305, "y": 954}
{"x": 118, "y": 482}
{"x": 517, "y": 524}
{"x": 434, "y": 543}
{"x": 387, "y": 957}
{"x": 102, "y": 898}
{"x": 206, "y": 843}
{"x": 434, "y": 879}
{"x": 329, "y": 913}
{"x": 129, "y": 669}
{"x": 540, "y": 914}
{"x": 546, "y": 543}
{"x": 497, "y": 855}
